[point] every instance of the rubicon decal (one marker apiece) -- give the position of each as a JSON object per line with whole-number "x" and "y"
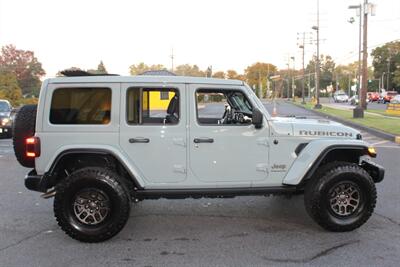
{"x": 324, "y": 133}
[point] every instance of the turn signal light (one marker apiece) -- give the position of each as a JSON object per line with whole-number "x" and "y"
{"x": 372, "y": 152}
{"x": 32, "y": 147}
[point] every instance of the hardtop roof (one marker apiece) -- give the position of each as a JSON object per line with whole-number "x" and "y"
{"x": 144, "y": 79}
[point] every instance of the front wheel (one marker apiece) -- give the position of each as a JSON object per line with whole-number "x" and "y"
{"x": 340, "y": 197}
{"x": 92, "y": 205}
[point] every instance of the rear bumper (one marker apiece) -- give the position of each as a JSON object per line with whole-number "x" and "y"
{"x": 35, "y": 182}
{"x": 376, "y": 171}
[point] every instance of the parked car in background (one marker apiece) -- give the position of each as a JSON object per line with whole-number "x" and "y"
{"x": 353, "y": 100}
{"x": 340, "y": 96}
{"x": 5, "y": 118}
{"x": 387, "y": 96}
{"x": 395, "y": 99}
{"x": 373, "y": 97}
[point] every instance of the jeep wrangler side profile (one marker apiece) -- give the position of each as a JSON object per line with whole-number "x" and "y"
{"x": 97, "y": 143}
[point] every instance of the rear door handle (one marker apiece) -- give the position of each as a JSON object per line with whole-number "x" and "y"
{"x": 203, "y": 140}
{"x": 139, "y": 140}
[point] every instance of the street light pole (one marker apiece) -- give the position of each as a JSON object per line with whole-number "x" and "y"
{"x": 364, "y": 86}
{"x": 358, "y": 111}
{"x": 317, "y": 71}
{"x": 302, "y": 47}
{"x": 293, "y": 74}
{"x": 388, "y": 74}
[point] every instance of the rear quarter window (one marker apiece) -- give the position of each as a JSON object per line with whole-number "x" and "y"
{"x": 81, "y": 106}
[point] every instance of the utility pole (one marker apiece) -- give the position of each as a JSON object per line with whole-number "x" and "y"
{"x": 260, "y": 94}
{"x": 364, "y": 10}
{"x": 317, "y": 71}
{"x": 388, "y": 73}
{"x": 302, "y": 47}
{"x": 172, "y": 60}
{"x": 364, "y": 86}
{"x": 267, "y": 79}
{"x": 294, "y": 69}
{"x": 288, "y": 77}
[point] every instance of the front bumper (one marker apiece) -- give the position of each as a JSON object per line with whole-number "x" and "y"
{"x": 35, "y": 182}
{"x": 376, "y": 171}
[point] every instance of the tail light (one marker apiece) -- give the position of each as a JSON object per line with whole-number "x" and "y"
{"x": 32, "y": 147}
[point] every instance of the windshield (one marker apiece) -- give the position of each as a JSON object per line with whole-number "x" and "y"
{"x": 255, "y": 99}
{"x": 241, "y": 103}
{"x": 4, "y": 107}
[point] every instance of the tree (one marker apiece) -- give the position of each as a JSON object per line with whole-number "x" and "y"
{"x": 142, "y": 67}
{"x": 189, "y": 70}
{"x": 386, "y": 59}
{"x": 345, "y": 76}
{"x": 259, "y": 72}
{"x": 327, "y": 67}
{"x": 101, "y": 68}
{"x": 232, "y": 74}
{"x": 219, "y": 74}
{"x": 9, "y": 88}
{"x": 26, "y": 67}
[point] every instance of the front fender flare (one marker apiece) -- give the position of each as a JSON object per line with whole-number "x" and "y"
{"x": 314, "y": 153}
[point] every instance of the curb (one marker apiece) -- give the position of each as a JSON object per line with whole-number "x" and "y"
{"x": 378, "y": 133}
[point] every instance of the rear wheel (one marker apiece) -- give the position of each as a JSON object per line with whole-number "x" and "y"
{"x": 92, "y": 204}
{"x": 340, "y": 197}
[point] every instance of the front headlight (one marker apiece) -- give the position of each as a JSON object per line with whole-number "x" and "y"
{"x": 5, "y": 121}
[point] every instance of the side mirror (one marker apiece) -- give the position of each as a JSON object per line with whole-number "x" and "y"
{"x": 257, "y": 118}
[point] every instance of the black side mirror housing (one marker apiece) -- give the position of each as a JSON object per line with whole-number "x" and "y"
{"x": 257, "y": 118}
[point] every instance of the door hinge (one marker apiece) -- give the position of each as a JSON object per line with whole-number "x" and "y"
{"x": 179, "y": 168}
{"x": 263, "y": 141}
{"x": 262, "y": 167}
{"x": 179, "y": 141}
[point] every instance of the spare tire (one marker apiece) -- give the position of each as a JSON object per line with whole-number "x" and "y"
{"x": 24, "y": 127}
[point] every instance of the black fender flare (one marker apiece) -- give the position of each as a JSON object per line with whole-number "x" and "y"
{"x": 49, "y": 175}
{"x": 361, "y": 150}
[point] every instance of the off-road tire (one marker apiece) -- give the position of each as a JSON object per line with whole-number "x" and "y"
{"x": 92, "y": 178}
{"x": 316, "y": 198}
{"x": 24, "y": 127}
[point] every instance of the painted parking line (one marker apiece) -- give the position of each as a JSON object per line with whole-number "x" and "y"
{"x": 392, "y": 146}
{"x": 380, "y": 143}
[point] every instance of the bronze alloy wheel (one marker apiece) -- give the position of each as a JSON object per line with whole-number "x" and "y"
{"x": 91, "y": 206}
{"x": 344, "y": 198}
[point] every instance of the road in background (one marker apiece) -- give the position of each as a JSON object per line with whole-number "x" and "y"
{"x": 373, "y": 105}
{"x": 243, "y": 231}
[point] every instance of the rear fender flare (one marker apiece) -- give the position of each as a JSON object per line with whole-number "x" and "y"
{"x": 133, "y": 172}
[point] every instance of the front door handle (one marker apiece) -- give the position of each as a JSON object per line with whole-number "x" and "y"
{"x": 139, "y": 140}
{"x": 203, "y": 140}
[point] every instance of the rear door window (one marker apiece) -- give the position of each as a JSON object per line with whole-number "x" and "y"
{"x": 152, "y": 106}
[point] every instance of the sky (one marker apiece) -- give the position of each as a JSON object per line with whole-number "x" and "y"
{"x": 226, "y": 34}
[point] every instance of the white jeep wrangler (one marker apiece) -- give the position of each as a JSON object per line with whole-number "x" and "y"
{"x": 97, "y": 143}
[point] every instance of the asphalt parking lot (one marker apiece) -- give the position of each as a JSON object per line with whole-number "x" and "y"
{"x": 244, "y": 231}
